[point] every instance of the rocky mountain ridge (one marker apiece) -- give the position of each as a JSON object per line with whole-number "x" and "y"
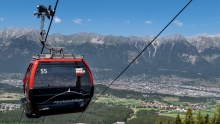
{"x": 195, "y": 56}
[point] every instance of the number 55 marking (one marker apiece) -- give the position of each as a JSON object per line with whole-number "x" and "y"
{"x": 43, "y": 71}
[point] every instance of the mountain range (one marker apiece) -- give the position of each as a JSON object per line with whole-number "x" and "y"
{"x": 107, "y": 55}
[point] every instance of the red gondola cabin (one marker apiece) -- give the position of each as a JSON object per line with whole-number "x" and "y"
{"x": 57, "y": 84}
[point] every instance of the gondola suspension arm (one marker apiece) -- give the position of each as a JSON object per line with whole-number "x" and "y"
{"x": 42, "y": 12}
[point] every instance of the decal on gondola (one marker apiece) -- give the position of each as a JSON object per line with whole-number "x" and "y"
{"x": 79, "y": 71}
{"x": 82, "y": 105}
{"x": 43, "y": 109}
{"x": 68, "y": 101}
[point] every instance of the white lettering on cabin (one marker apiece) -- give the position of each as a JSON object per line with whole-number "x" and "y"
{"x": 42, "y": 109}
{"x": 80, "y": 71}
{"x": 68, "y": 101}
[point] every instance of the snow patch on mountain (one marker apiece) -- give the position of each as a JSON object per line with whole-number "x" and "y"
{"x": 155, "y": 45}
{"x": 25, "y": 52}
{"x": 211, "y": 58}
{"x": 173, "y": 39}
{"x": 97, "y": 40}
{"x": 188, "y": 58}
{"x": 69, "y": 41}
{"x": 58, "y": 40}
{"x": 12, "y": 32}
{"x": 7, "y": 44}
{"x": 131, "y": 55}
{"x": 204, "y": 41}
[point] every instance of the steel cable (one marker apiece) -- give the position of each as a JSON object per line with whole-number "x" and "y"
{"x": 136, "y": 58}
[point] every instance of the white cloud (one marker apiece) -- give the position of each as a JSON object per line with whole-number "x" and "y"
{"x": 148, "y": 22}
{"x": 78, "y": 21}
{"x": 89, "y": 20}
{"x": 1, "y": 19}
{"x": 178, "y": 23}
{"x": 127, "y": 21}
{"x": 57, "y": 20}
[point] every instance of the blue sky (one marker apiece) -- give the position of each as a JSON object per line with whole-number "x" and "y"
{"x": 117, "y": 17}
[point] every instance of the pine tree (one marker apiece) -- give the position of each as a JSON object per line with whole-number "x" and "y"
{"x": 159, "y": 121}
{"x": 213, "y": 119}
{"x": 200, "y": 119}
{"x": 207, "y": 119}
{"x": 168, "y": 121}
{"x": 217, "y": 121}
{"x": 178, "y": 120}
{"x": 189, "y": 117}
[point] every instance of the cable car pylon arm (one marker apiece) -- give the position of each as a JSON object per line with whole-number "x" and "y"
{"x": 42, "y": 12}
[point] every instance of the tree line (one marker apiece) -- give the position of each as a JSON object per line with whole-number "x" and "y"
{"x": 194, "y": 119}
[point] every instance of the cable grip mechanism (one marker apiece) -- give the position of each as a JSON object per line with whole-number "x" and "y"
{"x": 42, "y": 12}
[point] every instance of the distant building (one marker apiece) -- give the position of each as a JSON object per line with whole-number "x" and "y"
{"x": 119, "y": 123}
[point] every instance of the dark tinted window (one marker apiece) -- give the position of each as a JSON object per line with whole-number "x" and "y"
{"x": 62, "y": 74}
